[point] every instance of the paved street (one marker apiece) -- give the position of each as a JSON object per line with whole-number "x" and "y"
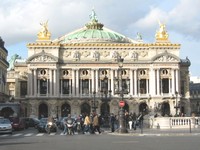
{"x": 31, "y": 140}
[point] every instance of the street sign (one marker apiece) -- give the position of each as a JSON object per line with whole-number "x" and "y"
{"x": 121, "y": 103}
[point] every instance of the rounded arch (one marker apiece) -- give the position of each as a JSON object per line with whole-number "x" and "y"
{"x": 6, "y": 112}
{"x": 85, "y": 108}
{"x": 143, "y": 107}
{"x": 65, "y": 110}
{"x": 43, "y": 111}
{"x": 126, "y": 107}
{"x": 165, "y": 109}
{"x": 105, "y": 109}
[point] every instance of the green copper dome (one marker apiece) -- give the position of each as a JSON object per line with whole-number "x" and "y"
{"x": 94, "y": 32}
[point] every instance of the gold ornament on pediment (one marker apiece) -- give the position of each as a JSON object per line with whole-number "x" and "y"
{"x": 44, "y": 33}
{"x": 162, "y": 34}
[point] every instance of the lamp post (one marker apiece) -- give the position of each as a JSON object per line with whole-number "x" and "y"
{"x": 120, "y": 91}
{"x": 104, "y": 94}
{"x": 57, "y": 112}
{"x": 176, "y": 107}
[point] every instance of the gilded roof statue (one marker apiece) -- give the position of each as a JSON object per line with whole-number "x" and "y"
{"x": 162, "y": 34}
{"x": 44, "y": 33}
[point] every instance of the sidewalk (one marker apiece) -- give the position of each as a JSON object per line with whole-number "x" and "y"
{"x": 157, "y": 132}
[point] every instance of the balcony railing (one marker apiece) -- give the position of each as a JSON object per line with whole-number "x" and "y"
{"x": 174, "y": 122}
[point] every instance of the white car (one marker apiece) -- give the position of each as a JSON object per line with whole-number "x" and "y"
{"x": 5, "y": 126}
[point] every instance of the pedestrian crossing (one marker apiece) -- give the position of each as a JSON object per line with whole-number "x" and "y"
{"x": 29, "y": 134}
{"x": 33, "y": 134}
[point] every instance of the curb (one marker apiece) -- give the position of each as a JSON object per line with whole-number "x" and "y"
{"x": 156, "y": 134}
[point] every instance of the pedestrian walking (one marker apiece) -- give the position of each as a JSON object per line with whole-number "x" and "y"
{"x": 134, "y": 117}
{"x": 112, "y": 122}
{"x": 95, "y": 123}
{"x": 87, "y": 123}
{"x": 130, "y": 120}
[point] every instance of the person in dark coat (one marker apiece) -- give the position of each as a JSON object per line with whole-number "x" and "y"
{"x": 112, "y": 122}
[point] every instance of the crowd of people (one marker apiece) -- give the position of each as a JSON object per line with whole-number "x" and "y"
{"x": 92, "y": 123}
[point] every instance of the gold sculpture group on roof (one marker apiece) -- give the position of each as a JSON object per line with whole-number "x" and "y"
{"x": 44, "y": 33}
{"x": 161, "y": 34}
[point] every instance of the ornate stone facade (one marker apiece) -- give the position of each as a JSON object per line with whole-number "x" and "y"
{"x": 62, "y": 75}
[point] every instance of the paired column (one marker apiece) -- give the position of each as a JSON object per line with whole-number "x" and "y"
{"x": 51, "y": 82}
{"x": 97, "y": 80}
{"x": 158, "y": 81}
{"x": 73, "y": 82}
{"x": 77, "y": 82}
{"x": 135, "y": 83}
{"x": 131, "y": 82}
{"x": 93, "y": 80}
{"x": 112, "y": 81}
{"x": 152, "y": 80}
{"x": 177, "y": 80}
{"x": 35, "y": 82}
{"x": 30, "y": 82}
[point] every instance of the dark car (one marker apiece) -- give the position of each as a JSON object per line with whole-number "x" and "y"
{"x": 31, "y": 122}
{"x": 42, "y": 125}
{"x": 18, "y": 123}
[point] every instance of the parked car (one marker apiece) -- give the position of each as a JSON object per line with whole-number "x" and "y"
{"x": 31, "y": 122}
{"x": 5, "y": 126}
{"x": 18, "y": 123}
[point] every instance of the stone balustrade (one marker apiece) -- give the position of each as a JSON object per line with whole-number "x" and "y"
{"x": 174, "y": 122}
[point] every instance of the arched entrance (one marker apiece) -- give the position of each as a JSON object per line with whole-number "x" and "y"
{"x": 143, "y": 107}
{"x": 43, "y": 111}
{"x": 126, "y": 107}
{"x": 165, "y": 109}
{"x": 105, "y": 109}
{"x": 85, "y": 108}
{"x": 105, "y": 113}
{"x": 6, "y": 112}
{"x": 65, "y": 110}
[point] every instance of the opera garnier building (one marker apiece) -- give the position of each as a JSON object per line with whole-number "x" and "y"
{"x": 93, "y": 68}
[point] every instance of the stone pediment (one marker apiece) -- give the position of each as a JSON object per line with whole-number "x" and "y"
{"x": 166, "y": 57}
{"x": 43, "y": 57}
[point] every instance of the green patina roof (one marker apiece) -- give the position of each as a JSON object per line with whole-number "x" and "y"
{"x": 94, "y": 32}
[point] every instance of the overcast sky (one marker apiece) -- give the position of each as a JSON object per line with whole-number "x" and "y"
{"x": 20, "y": 21}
